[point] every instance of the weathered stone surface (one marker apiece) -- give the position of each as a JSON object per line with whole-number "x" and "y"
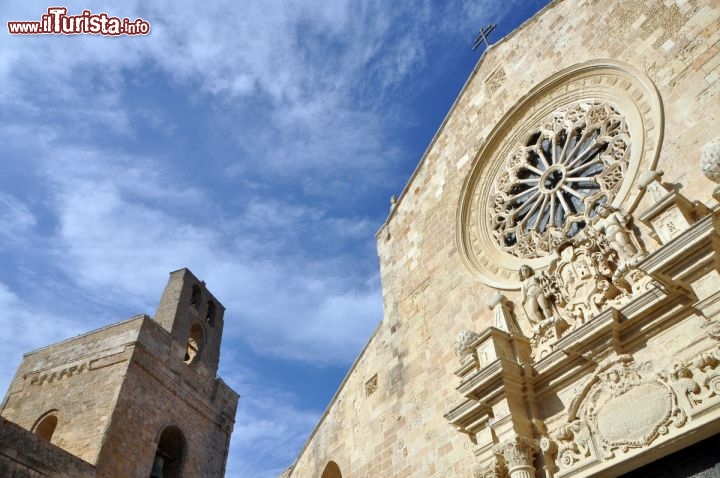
{"x": 115, "y": 390}
{"x": 650, "y": 67}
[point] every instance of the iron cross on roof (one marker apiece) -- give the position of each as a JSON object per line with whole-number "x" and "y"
{"x": 483, "y": 36}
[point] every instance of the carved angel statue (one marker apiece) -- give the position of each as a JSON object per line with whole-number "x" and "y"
{"x": 536, "y": 304}
{"x": 617, "y": 229}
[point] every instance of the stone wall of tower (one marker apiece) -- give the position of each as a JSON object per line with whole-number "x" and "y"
{"x": 116, "y": 389}
{"x": 23, "y": 454}
{"x": 80, "y": 378}
{"x": 387, "y": 418}
{"x": 160, "y": 390}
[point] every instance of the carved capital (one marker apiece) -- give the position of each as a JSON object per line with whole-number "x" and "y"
{"x": 493, "y": 470}
{"x": 518, "y": 452}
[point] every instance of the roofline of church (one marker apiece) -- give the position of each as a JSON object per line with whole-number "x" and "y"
{"x": 405, "y": 189}
{"x": 440, "y": 129}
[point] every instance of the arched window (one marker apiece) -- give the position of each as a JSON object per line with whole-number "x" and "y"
{"x": 45, "y": 427}
{"x": 169, "y": 455}
{"x": 196, "y": 340}
{"x": 210, "y": 316}
{"x": 195, "y": 297}
{"x": 332, "y": 470}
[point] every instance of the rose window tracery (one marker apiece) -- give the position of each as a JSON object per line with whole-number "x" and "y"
{"x": 551, "y": 183}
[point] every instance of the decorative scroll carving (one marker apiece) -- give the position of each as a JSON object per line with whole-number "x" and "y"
{"x": 552, "y": 184}
{"x": 493, "y": 470}
{"x": 697, "y": 381}
{"x": 574, "y": 439}
{"x": 618, "y": 409}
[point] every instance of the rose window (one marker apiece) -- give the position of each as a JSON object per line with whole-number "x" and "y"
{"x": 551, "y": 184}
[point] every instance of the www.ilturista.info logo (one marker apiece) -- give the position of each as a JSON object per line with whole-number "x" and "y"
{"x": 56, "y": 21}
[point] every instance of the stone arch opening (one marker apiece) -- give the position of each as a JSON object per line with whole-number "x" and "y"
{"x": 195, "y": 342}
{"x": 332, "y": 470}
{"x": 169, "y": 455}
{"x": 196, "y": 296}
{"x": 210, "y": 316}
{"x": 45, "y": 426}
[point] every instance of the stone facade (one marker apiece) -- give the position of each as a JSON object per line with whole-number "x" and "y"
{"x": 125, "y": 398}
{"x": 551, "y": 272}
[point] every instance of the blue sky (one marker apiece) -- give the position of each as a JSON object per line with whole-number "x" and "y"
{"x": 257, "y": 144}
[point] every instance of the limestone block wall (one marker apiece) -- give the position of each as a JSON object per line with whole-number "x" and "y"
{"x": 23, "y": 454}
{"x": 80, "y": 379}
{"x": 160, "y": 390}
{"x": 387, "y": 417}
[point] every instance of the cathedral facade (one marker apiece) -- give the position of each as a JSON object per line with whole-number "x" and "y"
{"x": 551, "y": 271}
{"x": 139, "y": 398}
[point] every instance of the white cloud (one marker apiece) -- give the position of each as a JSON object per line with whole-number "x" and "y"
{"x": 269, "y": 427}
{"x": 15, "y": 216}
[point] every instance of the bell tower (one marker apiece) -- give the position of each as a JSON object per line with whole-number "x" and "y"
{"x": 140, "y": 397}
{"x": 194, "y": 318}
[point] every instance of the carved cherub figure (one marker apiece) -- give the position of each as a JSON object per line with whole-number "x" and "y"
{"x": 616, "y": 227}
{"x": 536, "y": 304}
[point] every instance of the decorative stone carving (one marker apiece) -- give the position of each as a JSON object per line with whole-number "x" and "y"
{"x": 575, "y": 446}
{"x": 465, "y": 346}
{"x": 552, "y": 184}
{"x": 710, "y": 160}
{"x": 518, "y": 453}
{"x": 617, "y": 410}
{"x": 593, "y": 270}
{"x": 576, "y": 140}
{"x": 617, "y": 229}
{"x": 697, "y": 381}
{"x": 504, "y": 319}
{"x": 493, "y": 470}
{"x": 650, "y": 181}
{"x": 495, "y": 80}
{"x": 713, "y": 329}
{"x": 535, "y": 297}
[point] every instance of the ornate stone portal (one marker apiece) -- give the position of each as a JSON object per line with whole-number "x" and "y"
{"x": 619, "y": 350}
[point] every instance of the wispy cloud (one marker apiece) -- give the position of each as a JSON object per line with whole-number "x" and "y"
{"x": 253, "y": 144}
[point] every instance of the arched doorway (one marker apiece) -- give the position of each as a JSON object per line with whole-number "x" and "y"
{"x": 332, "y": 470}
{"x": 169, "y": 455}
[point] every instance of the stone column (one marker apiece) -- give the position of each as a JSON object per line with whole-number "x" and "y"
{"x": 519, "y": 455}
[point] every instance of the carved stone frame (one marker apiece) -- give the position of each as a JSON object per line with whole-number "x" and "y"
{"x": 607, "y": 81}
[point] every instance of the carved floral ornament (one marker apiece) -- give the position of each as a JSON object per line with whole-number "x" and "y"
{"x": 576, "y": 142}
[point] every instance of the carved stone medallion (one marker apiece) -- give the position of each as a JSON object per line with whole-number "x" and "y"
{"x": 575, "y": 142}
{"x": 617, "y": 410}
